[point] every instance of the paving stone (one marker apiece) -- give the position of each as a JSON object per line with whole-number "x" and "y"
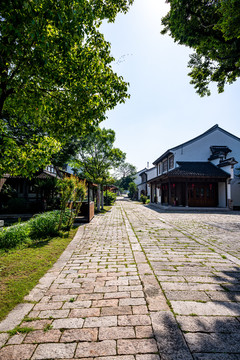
{"x": 77, "y": 304}
{"x": 17, "y": 352}
{"x": 36, "y": 324}
{"x": 208, "y": 324}
{"x": 118, "y": 310}
{"x": 55, "y": 314}
{"x": 16, "y": 339}
{"x": 119, "y": 357}
{"x": 215, "y": 356}
{"x": 208, "y": 308}
{"x": 136, "y": 346}
{"x": 15, "y": 317}
{"x": 117, "y": 295}
{"x": 79, "y": 335}
{"x": 130, "y": 288}
{"x": 133, "y": 320}
{"x": 101, "y": 348}
{"x": 3, "y": 339}
{"x": 190, "y": 286}
{"x": 218, "y": 342}
{"x": 40, "y": 336}
{"x": 50, "y": 306}
{"x": 132, "y": 301}
{"x": 54, "y": 351}
{"x": 171, "y": 343}
{"x": 69, "y": 323}
{"x": 63, "y": 297}
{"x": 109, "y": 333}
{"x": 137, "y": 293}
{"x": 83, "y": 313}
{"x": 102, "y": 303}
{"x": 90, "y": 297}
{"x": 105, "y": 289}
{"x": 33, "y": 314}
{"x": 140, "y": 310}
{"x": 148, "y": 357}
{"x": 224, "y": 296}
{"x": 104, "y": 321}
{"x": 189, "y": 295}
{"x": 117, "y": 282}
{"x": 144, "y": 332}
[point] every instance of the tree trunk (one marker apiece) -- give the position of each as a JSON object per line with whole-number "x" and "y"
{"x": 102, "y": 198}
{"x": 98, "y": 198}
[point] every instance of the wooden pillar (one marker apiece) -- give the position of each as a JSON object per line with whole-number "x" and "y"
{"x": 186, "y": 194}
{"x": 169, "y": 193}
{"x": 152, "y": 192}
{"x": 88, "y": 202}
{"x": 226, "y": 193}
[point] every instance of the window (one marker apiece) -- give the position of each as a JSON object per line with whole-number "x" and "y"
{"x": 165, "y": 165}
{"x": 171, "y": 162}
{"x": 51, "y": 169}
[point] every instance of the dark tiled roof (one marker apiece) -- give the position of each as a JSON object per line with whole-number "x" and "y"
{"x": 230, "y": 161}
{"x": 190, "y": 168}
{"x": 217, "y": 149}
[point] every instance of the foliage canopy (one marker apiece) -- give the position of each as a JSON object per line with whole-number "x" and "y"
{"x": 212, "y": 29}
{"x": 97, "y": 156}
{"x": 55, "y": 75}
{"x": 127, "y": 174}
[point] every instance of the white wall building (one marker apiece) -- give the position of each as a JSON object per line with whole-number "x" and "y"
{"x": 143, "y": 177}
{"x": 200, "y": 172}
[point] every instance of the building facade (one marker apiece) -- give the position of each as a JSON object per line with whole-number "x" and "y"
{"x": 143, "y": 186}
{"x": 202, "y": 172}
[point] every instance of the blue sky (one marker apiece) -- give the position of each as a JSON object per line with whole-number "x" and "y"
{"x": 164, "y": 109}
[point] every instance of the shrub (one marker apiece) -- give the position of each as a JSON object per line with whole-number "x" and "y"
{"x": 143, "y": 199}
{"x": 14, "y": 235}
{"x": 72, "y": 192}
{"x": 109, "y": 197}
{"x": 44, "y": 225}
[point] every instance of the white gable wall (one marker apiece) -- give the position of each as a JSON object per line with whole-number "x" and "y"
{"x": 199, "y": 150}
{"x": 151, "y": 173}
{"x": 138, "y": 178}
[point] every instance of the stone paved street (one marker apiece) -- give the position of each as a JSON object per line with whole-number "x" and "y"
{"x": 137, "y": 284}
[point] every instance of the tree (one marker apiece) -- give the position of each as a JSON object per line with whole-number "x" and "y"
{"x": 211, "y": 28}
{"x": 72, "y": 192}
{"x": 55, "y": 73}
{"x": 132, "y": 190}
{"x": 97, "y": 157}
{"x": 126, "y": 169}
{"x": 127, "y": 173}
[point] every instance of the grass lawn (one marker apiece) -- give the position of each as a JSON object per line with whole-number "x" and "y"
{"x": 21, "y": 269}
{"x": 106, "y": 208}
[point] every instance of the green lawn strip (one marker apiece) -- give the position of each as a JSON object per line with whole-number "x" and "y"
{"x": 105, "y": 209}
{"x": 21, "y": 269}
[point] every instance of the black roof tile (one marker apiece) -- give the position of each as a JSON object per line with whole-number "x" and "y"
{"x": 197, "y": 168}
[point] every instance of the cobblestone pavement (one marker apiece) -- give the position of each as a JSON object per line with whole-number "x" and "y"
{"x": 136, "y": 284}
